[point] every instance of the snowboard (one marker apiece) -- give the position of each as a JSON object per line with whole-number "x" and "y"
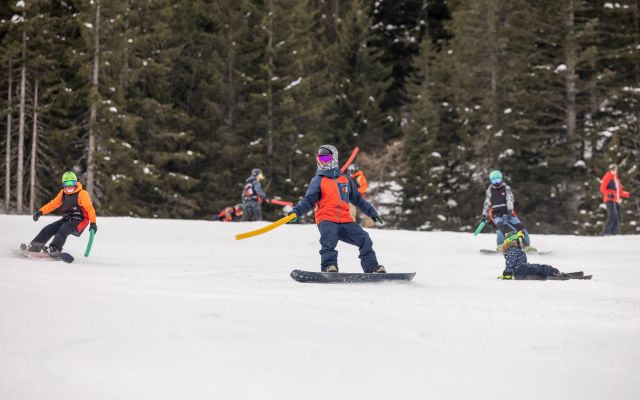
{"x": 489, "y": 251}
{"x": 66, "y": 257}
{"x": 341, "y": 277}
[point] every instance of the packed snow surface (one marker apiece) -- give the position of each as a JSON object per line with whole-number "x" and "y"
{"x": 171, "y": 309}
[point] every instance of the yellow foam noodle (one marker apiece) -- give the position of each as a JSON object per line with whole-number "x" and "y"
{"x": 267, "y": 228}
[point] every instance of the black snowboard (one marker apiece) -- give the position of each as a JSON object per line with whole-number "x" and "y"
{"x": 340, "y": 277}
{"x": 66, "y": 257}
{"x": 489, "y": 251}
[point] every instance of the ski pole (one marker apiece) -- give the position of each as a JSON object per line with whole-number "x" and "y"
{"x": 350, "y": 160}
{"x": 267, "y": 228}
{"x": 280, "y": 202}
{"x": 91, "y": 233}
{"x": 479, "y": 228}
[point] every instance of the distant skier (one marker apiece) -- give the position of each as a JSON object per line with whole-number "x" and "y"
{"x": 612, "y": 194}
{"x": 77, "y": 213}
{"x": 498, "y": 206}
{"x": 516, "y": 265}
{"x": 253, "y": 196}
{"x": 358, "y": 176}
{"x": 230, "y": 214}
{"x": 330, "y": 193}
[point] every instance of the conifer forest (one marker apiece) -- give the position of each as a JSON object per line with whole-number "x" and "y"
{"x": 163, "y": 107}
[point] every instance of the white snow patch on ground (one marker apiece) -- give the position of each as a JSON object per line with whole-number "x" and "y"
{"x": 179, "y": 310}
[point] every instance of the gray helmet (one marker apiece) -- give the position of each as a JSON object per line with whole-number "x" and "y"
{"x": 256, "y": 171}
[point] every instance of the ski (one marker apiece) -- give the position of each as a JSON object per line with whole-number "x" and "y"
{"x": 340, "y": 277}
{"x": 65, "y": 257}
{"x": 565, "y": 277}
{"x": 489, "y": 251}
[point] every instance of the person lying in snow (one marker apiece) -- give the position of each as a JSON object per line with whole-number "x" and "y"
{"x": 516, "y": 265}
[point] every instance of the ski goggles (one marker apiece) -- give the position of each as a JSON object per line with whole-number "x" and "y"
{"x": 69, "y": 183}
{"x": 495, "y": 181}
{"x": 325, "y": 158}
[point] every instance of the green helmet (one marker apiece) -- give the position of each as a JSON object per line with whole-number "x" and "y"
{"x": 69, "y": 176}
{"x": 513, "y": 236}
{"x": 495, "y": 176}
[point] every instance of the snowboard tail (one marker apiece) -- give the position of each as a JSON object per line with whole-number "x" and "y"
{"x": 340, "y": 277}
{"x": 65, "y": 257}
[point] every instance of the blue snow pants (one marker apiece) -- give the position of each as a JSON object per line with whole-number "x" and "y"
{"x": 535, "y": 269}
{"x": 506, "y": 224}
{"x": 352, "y": 233}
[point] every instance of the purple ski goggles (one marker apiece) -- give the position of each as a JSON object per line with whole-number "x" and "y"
{"x": 325, "y": 158}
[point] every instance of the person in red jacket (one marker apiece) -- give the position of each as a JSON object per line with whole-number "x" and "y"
{"x": 329, "y": 193}
{"x": 77, "y": 213}
{"x": 358, "y": 176}
{"x": 612, "y": 195}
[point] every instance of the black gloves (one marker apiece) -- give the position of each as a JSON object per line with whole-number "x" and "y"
{"x": 483, "y": 218}
{"x": 93, "y": 227}
{"x": 506, "y": 275}
{"x": 37, "y": 215}
{"x": 378, "y": 220}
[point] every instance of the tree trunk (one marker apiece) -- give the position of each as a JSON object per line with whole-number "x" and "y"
{"x": 23, "y": 96}
{"x": 571, "y": 77}
{"x": 93, "y": 112}
{"x": 270, "y": 72}
{"x": 7, "y": 167}
{"x": 34, "y": 152}
{"x": 231, "y": 62}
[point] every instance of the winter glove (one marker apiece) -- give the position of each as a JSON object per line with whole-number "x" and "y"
{"x": 93, "y": 227}
{"x": 506, "y": 275}
{"x": 378, "y": 220}
{"x": 267, "y": 199}
{"x": 293, "y": 220}
{"x": 483, "y": 218}
{"x": 37, "y": 215}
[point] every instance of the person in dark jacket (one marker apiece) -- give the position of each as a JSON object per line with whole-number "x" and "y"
{"x": 612, "y": 195}
{"x": 330, "y": 193}
{"x": 498, "y": 207}
{"x": 77, "y": 214}
{"x": 253, "y": 196}
{"x": 516, "y": 265}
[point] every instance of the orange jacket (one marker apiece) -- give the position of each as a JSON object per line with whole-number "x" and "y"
{"x": 611, "y": 188}
{"x": 330, "y": 193}
{"x": 361, "y": 181}
{"x": 84, "y": 201}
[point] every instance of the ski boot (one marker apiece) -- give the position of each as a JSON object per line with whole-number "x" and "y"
{"x": 380, "y": 270}
{"x": 33, "y": 247}
{"x": 54, "y": 249}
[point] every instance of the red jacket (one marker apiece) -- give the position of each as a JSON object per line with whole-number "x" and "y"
{"x": 611, "y": 188}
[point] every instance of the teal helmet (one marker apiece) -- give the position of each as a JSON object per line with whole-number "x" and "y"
{"x": 495, "y": 177}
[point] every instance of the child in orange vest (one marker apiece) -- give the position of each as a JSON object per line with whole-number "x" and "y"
{"x": 330, "y": 193}
{"x": 77, "y": 213}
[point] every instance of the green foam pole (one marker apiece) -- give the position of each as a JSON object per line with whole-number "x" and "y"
{"x": 91, "y": 233}
{"x": 479, "y": 229}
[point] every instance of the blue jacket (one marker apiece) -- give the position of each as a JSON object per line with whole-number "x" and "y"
{"x": 515, "y": 258}
{"x": 314, "y": 194}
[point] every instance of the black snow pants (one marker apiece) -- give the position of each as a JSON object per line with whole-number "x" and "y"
{"x": 59, "y": 230}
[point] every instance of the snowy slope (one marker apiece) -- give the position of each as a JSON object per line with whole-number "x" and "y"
{"x": 179, "y": 310}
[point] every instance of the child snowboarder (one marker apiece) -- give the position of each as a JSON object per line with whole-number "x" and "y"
{"x": 230, "y": 214}
{"x": 516, "y": 265}
{"x": 330, "y": 193}
{"x": 77, "y": 213}
{"x": 498, "y": 206}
